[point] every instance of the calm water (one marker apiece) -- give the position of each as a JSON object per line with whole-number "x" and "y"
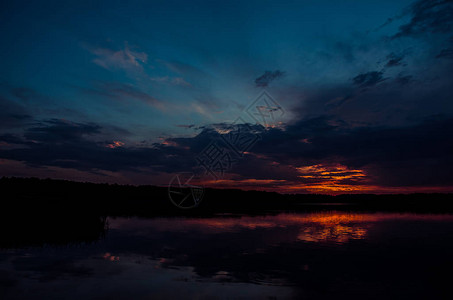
{"x": 298, "y": 255}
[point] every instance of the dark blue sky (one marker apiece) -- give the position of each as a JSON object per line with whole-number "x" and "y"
{"x": 110, "y": 91}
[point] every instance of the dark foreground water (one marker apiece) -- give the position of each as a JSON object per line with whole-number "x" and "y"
{"x": 323, "y": 255}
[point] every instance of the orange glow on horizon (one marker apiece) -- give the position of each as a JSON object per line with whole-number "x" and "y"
{"x": 229, "y": 182}
{"x": 330, "y": 179}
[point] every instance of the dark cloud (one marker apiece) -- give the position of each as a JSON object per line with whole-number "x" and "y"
{"x": 213, "y": 133}
{"x": 26, "y": 94}
{"x": 412, "y": 155}
{"x": 399, "y": 156}
{"x": 12, "y": 114}
{"x": 390, "y": 156}
{"x": 428, "y": 16}
{"x": 387, "y": 22}
{"x": 185, "y": 126}
{"x": 416, "y": 155}
{"x": 69, "y": 144}
{"x": 445, "y": 53}
{"x": 121, "y": 91}
{"x": 57, "y": 130}
{"x": 394, "y": 60}
{"x": 403, "y": 80}
{"x": 11, "y": 139}
{"x": 268, "y": 76}
{"x": 368, "y": 79}
{"x": 73, "y": 145}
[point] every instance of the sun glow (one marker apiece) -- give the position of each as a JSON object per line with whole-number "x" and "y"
{"x": 323, "y": 178}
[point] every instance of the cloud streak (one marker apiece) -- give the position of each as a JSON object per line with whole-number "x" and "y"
{"x": 368, "y": 79}
{"x": 312, "y": 154}
{"x": 122, "y": 92}
{"x": 125, "y": 59}
{"x": 268, "y": 77}
{"x": 428, "y": 16}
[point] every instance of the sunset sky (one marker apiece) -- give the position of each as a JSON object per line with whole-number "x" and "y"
{"x": 133, "y": 92}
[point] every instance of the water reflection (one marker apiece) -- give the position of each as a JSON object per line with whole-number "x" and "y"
{"x": 327, "y": 226}
{"x": 302, "y": 255}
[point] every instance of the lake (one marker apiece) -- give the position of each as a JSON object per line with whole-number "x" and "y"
{"x": 313, "y": 255}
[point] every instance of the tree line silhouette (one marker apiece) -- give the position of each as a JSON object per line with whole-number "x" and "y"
{"x": 68, "y": 197}
{"x": 59, "y": 212}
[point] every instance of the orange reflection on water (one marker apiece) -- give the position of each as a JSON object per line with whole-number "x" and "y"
{"x": 339, "y": 234}
{"x": 330, "y": 226}
{"x": 335, "y": 227}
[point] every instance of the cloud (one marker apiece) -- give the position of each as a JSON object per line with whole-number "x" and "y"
{"x": 123, "y": 92}
{"x": 186, "y": 126}
{"x": 368, "y": 79}
{"x": 395, "y": 156}
{"x": 325, "y": 150}
{"x": 387, "y": 22}
{"x": 115, "y": 144}
{"x": 9, "y": 139}
{"x": 125, "y": 59}
{"x": 171, "y": 80}
{"x": 428, "y": 16}
{"x": 403, "y": 80}
{"x": 314, "y": 152}
{"x": 67, "y": 144}
{"x": 394, "y": 60}
{"x": 268, "y": 76}
{"x": 12, "y": 114}
{"x": 184, "y": 68}
{"x": 26, "y": 94}
{"x": 59, "y": 130}
{"x": 445, "y": 53}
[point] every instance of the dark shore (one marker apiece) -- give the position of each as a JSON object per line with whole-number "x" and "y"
{"x": 31, "y": 195}
{"x": 38, "y": 212}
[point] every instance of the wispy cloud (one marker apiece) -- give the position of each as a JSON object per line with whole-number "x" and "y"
{"x": 184, "y": 69}
{"x": 428, "y": 16}
{"x": 171, "y": 80}
{"x": 122, "y": 91}
{"x": 445, "y": 53}
{"x": 394, "y": 60}
{"x": 186, "y": 126}
{"x": 125, "y": 58}
{"x": 368, "y": 79}
{"x": 268, "y": 76}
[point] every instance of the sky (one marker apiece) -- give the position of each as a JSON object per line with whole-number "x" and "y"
{"x": 356, "y": 95}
